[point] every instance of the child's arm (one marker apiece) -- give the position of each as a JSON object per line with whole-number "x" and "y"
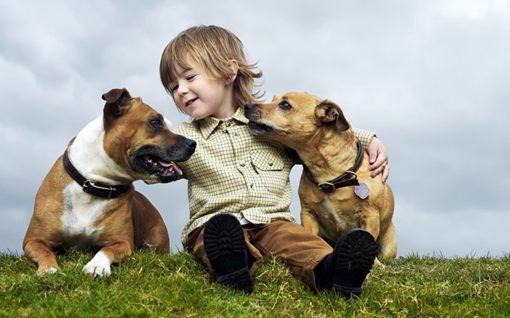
{"x": 377, "y": 154}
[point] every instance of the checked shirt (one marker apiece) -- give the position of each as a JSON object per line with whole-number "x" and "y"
{"x": 236, "y": 172}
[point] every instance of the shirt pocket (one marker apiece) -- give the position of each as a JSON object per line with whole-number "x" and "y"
{"x": 270, "y": 170}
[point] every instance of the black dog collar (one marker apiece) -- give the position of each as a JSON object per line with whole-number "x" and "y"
{"x": 95, "y": 188}
{"x": 346, "y": 179}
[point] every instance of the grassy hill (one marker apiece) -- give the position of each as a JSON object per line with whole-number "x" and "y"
{"x": 148, "y": 285}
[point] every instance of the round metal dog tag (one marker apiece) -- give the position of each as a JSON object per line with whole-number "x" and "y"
{"x": 362, "y": 190}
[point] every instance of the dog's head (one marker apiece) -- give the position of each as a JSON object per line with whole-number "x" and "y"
{"x": 294, "y": 118}
{"x": 137, "y": 138}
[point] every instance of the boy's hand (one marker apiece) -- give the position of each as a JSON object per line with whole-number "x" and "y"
{"x": 378, "y": 159}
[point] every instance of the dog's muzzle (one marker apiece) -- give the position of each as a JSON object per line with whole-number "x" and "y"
{"x": 254, "y": 115}
{"x": 161, "y": 163}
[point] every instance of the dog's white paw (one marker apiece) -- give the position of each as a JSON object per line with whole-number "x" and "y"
{"x": 99, "y": 266}
{"x": 47, "y": 271}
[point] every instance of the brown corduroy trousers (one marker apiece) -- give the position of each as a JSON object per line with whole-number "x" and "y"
{"x": 285, "y": 240}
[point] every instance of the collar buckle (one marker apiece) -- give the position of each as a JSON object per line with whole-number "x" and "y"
{"x": 89, "y": 187}
{"x": 326, "y": 187}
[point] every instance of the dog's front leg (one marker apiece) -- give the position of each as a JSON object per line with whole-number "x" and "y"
{"x": 309, "y": 220}
{"x": 99, "y": 265}
{"x": 372, "y": 224}
{"x": 39, "y": 251}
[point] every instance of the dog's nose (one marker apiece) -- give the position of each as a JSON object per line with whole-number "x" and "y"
{"x": 248, "y": 108}
{"x": 190, "y": 143}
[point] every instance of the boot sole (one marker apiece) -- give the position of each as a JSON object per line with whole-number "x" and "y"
{"x": 225, "y": 247}
{"x": 354, "y": 254}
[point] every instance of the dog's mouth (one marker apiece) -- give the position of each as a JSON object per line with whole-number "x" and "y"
{"x": 259, "y": 128}
{"x": 161, "y": 166}
{"x": 152, "y": 161}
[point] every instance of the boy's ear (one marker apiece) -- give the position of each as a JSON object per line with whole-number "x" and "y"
{"x": 233, "y": 65}
{"x": 330, "y": 113}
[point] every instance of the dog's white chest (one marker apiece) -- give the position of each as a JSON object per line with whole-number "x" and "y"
{"x": 81, "y": 211}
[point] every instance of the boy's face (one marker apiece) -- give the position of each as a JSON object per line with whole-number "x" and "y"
{"x": 199, "y": 96}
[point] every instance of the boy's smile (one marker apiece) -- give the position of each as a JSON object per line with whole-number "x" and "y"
{"x": 189, "y": 102}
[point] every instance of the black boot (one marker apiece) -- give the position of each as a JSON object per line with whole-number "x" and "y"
{"x": 346, "y": 268}
{"x": 226, "y": 250}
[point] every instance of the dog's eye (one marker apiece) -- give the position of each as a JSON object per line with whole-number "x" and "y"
{"x": 156, "y": 123}
{"x": 284, "y": 105}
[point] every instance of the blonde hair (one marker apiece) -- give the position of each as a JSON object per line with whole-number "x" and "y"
{"x": 212, "y": 48}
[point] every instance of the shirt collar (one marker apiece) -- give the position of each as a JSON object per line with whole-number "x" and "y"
{"x": 209, "y": 124}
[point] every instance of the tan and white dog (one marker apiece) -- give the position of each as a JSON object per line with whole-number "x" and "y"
{"x": 336, "y": 190}
{"x": 87, "y": 199}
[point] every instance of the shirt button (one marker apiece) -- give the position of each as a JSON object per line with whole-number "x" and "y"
{"x": 270, "y": 164}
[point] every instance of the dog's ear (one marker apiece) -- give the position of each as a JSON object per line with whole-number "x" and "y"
{"x": 117, "y": 103}
{"x": 330, "y": 113}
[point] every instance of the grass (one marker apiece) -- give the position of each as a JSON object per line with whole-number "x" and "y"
{"x": 149, "y": 285}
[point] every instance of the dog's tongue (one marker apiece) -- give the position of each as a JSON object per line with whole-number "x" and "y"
{"x": 176, "y": 168}
{"x": 165, "y": 163}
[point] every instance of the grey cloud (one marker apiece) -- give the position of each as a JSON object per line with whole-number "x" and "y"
{"x": 428, "y": 76}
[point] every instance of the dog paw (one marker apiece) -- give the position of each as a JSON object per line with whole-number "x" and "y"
{"x": 99, "y": 266}
{"x": 377, "y": 263}
{"x": 46, "y": 271}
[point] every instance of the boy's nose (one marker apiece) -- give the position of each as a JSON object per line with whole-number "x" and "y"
{"x": 182, "y": 89}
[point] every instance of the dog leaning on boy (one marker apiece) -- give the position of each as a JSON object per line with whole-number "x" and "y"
{"x": 336, "y": 190}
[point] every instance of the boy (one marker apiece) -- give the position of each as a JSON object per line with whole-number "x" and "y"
{"x": 238, "y": 189}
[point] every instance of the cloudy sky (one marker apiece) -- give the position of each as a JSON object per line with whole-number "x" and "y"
{"x": 430, "y": 77}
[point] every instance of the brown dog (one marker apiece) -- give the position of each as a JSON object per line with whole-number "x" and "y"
{"x": 336, "y": 190}
{"x": 88, "y": 200}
